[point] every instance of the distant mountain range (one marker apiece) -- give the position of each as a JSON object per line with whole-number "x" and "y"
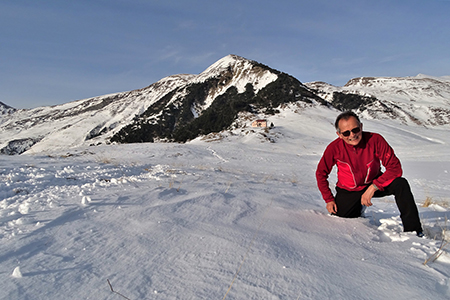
{"x": 423, "y": 100}
{"x": 182, "y": 107}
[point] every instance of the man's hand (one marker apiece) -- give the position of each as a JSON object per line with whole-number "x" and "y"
{"x": 331, "y": 207}
{"x": 367, "y": 196}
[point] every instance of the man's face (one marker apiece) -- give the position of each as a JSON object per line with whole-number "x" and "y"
{"x": 350, "y": 126}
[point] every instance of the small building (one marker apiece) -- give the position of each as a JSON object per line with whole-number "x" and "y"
{"x": 260, "y": 123}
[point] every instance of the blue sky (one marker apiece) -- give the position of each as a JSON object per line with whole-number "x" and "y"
{"x": 55, "y": 51}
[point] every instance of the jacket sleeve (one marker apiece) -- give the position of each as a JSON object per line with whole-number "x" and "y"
{"x": 324, "y": 168}
{"x": 391, "y": 163}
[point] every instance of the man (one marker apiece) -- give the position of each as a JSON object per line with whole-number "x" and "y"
{"x": 358, "y": 156}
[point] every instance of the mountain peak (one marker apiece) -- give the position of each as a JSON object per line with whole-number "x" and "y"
{"x": 234, "y": 70}
{"x": 228, "y": 63}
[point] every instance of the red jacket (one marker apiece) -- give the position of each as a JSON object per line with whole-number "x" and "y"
{"x": 358, "y": 166}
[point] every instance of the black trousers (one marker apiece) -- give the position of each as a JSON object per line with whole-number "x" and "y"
{"x": 349, "y": 203}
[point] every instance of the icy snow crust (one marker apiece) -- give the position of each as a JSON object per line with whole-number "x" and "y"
{"x": 177, "y": 221}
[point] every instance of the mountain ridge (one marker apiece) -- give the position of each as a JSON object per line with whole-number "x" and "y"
{"x": 421, "y": 100}
{"x": 212, "y": 101}
{"x": 6, "y": 109}
{"x": 184, "y": 106}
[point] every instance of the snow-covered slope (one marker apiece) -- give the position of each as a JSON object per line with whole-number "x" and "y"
{"x": 168, "y": 107}
{"x": 5, "y": 110}
{"x": 95, "y": 120}
{"x": 423, "y": 100}
{"x": 241, "y": 72}
{"x": 79, "y": 122}
{"x": 239, "y": 218}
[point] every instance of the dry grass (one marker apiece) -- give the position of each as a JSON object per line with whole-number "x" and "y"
{"x": 429, "y": 201}
{"x": 441, "y": 249}
{"x": 443, "y": 235}
{"x": 437, "y": 254}
{"x": 228, "y": 187}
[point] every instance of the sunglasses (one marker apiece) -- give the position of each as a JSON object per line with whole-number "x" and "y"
{"x": 354, "y": 130}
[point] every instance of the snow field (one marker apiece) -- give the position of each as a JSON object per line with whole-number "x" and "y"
{"x": 170, "y": 221}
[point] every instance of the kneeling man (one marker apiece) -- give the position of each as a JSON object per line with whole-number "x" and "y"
{"x": 359, "y": 156}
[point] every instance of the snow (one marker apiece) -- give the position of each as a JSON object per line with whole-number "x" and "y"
{"x": 421, "y": 99}
{"x": 235, "y": 218}
{"x": 95, "y": 120}
{"x": 244, "y": 73}
{"x": 16, "y": 273}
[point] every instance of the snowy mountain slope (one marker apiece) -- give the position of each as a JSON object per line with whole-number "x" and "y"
{"x": 182, "y": 107}
{"x": 234, "y": 85}
{"x": 422, "y": 100}
{"x": 166, "y": 104}
{"x": 5, "y": 110}
{"x": 79, "y": 122}
{"x": 239, "y": 72}
{"x": 236, "y": 218}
